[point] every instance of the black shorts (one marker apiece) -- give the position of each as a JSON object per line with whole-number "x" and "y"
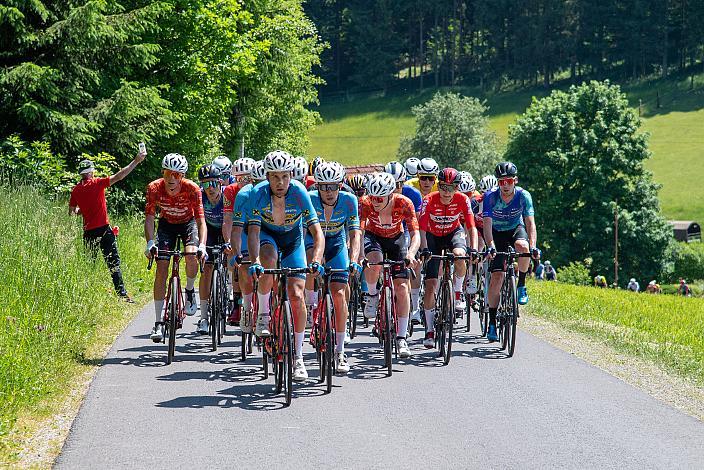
{"x": 167, "y": 234}
{"x": 503, "y": 241}
{"x": 454, "y": 239}
{"x": 214, "y": 239}
{"x": 394, "y": 249}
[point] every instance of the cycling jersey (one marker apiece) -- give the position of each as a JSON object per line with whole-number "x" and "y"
{"x": 507, "y": 216}
{"x": 477, "y": 203}
{"x": 414, "y": 195}
{"x": 402, "y": 211}
{"x": 298, "y": 208}
{"x": 344, "y": 215}
{"x": 414, "y": 182}
{"x": 230, "y": 194}
{"x": 178, "y": 208}
{"x": 89, "y": 197}
{"x": 213, "y": 212}
{"x": 440, "y": 219}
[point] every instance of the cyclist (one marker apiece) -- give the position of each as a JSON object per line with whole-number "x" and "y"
{"x": 224, "y": 164}
{"x": 398, "y": 171}
{"x": 411, "y": 166}
{"x": 425, "y": 182}
{"x": 279, "y": 209}
{"x": 88, "y": 199}
{"x": 382, "y": 214}
{"x": 338, "y": 214}
{"x": 444, "y": 213}
{"x": 211, "y": 187}
{"x": 180, "y": 216}
{"x": 358, "y": 184}
{"x": 300, "y": 170}
{"x": 509, "y": 220}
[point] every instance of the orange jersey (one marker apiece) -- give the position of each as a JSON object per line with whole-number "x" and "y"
{"x": 178, "y": 208}
{"x": 402, "y": 211}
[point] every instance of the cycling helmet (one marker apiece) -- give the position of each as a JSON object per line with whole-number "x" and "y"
{"x": 357, "y": 182}
{"x": 547, "y": 263}
{"x": 300, "y": 168}
{"x": 175, "y": 162}
{"x": 411, "y": 166}
{"x": 488, "y": 183}
{"x": 467, "y": 184}
{"x": 242, "y": 166}
{"x": 258, "y": 173}
{"x": 449, "y": 176}
{"x": 505, "y": 170}
{"x": 396, "y": 170}
{"x": 208, "y": 171}
{"x": 329, "y": 172}
{"x": 278, "y": 160}
{"x": 314, "y": 164}
{"x": 428, "y": 166}
{"x": 224, "y": 164}
{"x": 381, "y": 184}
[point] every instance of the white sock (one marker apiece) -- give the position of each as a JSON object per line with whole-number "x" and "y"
{"x": 415, "y": 294}
{"x": 429, "y": 319}
{"x": 340, "y": 346}
{"x": 298, "y": 338}
{"x": 311, "y": 297}
{"x": 190, "y": 283}
{"x": 371, "y": 289}
{"x": 402, "y": 327}
{"x": 247, "y": 301}
{"x": 204, "y": 308}
{"x": 458, "y": 283}
{"x": 263, "y": 304}
{"x": 159, "y": 310}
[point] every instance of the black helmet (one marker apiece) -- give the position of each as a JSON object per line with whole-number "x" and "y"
{"x": 209, "y": 171}
{"x": 505, "y": 170}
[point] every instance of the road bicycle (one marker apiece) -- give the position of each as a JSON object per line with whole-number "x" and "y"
{"x": 219, "y": 297}
{"x": 507, "y": 312}
{"x": 477, "y": 302}
{"x": 354, "y": 303}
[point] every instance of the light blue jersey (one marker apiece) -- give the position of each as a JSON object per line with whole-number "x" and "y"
{"x": 298, "y": 208}
{"x": 507, "y": 216}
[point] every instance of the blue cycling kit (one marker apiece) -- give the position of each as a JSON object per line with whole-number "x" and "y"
{"x": 414, "y": 195}
{"x": 213, "y": 212}
{"x": 239, "y": 215}
{"x": 344, "y": 217}
{"x": 505, "y": 216}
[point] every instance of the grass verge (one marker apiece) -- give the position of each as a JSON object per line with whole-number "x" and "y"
{"x": 666, "y": 330}
{"x": 59, "y": 313}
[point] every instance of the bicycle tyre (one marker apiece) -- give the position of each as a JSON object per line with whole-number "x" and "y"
{"x": 449, "y": 322}
{"x": 512, "y": 318}
{"x": 329, "y": 352}
{"x": 213, "y": 307}
{"x": 440, "y": 319}
{"x": 353, "y": 310}
{"x": 287, "y": 352}
{"x": 265, "y": 362}
{"x": 173, "y": 319}
{"x": 386, "y": 316}
{"x": 503, "y": 311}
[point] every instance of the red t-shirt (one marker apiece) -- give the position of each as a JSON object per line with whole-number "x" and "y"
{"x": 89, "y": 197}
{"x": 403, "y": 211}
{"x": 176, "y": 209}
{"x": 230, "y": 194}
{"x": 440, "y": 219}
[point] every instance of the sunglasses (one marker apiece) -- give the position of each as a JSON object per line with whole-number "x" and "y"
{"x": 427, "y": 178}
{"x": 377, "y": 199}
{"x": 447, "y": 187}
{"x": 168, "y": 174}
{"x": 209, "y": 184}
{"x": 506, "y": 181}
{"x": 329, "y": 187}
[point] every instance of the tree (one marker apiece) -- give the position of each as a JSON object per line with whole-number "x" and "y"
{"x": 452, "y": 129}
{"x": 581, "y": 155}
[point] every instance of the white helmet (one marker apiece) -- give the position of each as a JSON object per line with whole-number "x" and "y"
{"x": 381, "y": 184}
{"x": 428, "y": 166}
{"x": 300, "y": 168}
{"x": 488, "y": 183}
{"x": 632, "y": 279}
{"x": 278, "y": 160}
{"x": 329, "y": 172}
{"x": 175, "y": 162}
{"x": 411, "y": 166}
{"x": 467, "y": 184}
{"x": 257, "y": 173}
{"x": 547, "y": 263}
{"x": 396, "y": 170}
{"x": 242, "y": 166}
{"x": 223, "y": 164}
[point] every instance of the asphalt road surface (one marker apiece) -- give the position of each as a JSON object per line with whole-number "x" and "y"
{"x": 542, "y": 408}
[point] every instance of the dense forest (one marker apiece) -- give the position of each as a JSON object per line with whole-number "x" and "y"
{"x": 377, "y": 43}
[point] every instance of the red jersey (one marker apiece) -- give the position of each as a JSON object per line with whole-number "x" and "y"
{"x": 176, "y": 209}
{"x": 477, "y": 209}
{"x": 440, "y": 219}
{"x": 402, "y": 211}
{"x": 230, "y": 194}
{"x": 310, "y": 181}
{"x": 89, "y": 197}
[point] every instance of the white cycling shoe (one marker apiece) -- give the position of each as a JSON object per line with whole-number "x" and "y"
{"x": 202, "y": 326}
{"x": 472, "y": 285}
{"x": 262, "y": 329}
{"x": 370, "y": 307}
{"x": 244, "y": 326}
{"x": 402, "y": 346}
{"x": 157, "y": 334}
{"x": 341, "y": 364}
{"x": 300, "y": 374}
{"x": 191, "y": 302}
{"x": 415, "y": 316}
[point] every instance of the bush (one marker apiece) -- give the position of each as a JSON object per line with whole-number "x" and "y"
{"x": 689, "y": 261}
{"x": 22, "y": 163}
{"x": 576, "y": 273}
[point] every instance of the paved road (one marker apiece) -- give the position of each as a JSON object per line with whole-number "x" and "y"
{"x": 543, "y": 408}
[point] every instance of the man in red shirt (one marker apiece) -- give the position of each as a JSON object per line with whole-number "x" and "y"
{"x": 441, "y": 219}
{"x": 88, "y": 199}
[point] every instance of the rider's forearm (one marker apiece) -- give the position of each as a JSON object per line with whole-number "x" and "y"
{"x": 415, "y": 243}
{"x": 202, "y": 231}
{"x": 236, "y": 239}
{"x": 532, "y": 232}
{"x": 473, "y": 238}
{"x": 354, "y": 244}
{"x": 120, "y": 175}
{"x": 423, "y": 240}
{"x": 488, "y": 235}
{"x": 227, "y": 227}
{"x": 318, "y": 243}
{"x": 360, "y": 257}
{"x": 253, "y": 243}
{"x": 149, "y": 227}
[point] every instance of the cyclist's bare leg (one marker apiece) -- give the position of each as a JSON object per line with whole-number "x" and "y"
{"x": 162, "y": 271}
{"x": 497, "y": 278}
{"x": 204, "y": 289}
{"x": 402, "y": 306}
{"x": 295, "y": 289}
{"x": 522, "y": 247}
{"x": 431, "y": 286}
{"x": 311, "y": 295}
{"x": 191, "y": 264}
{"x": 268, "y": 257}
{"x": 371, "y": 273}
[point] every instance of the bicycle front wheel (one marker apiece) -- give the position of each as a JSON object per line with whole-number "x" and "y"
{"x": 214, "y": 307}
{"x": 512, "y": 317}
{"x": 449, "y": 320}
{"x": 386, "y": 315}
{"x": 329, "y": 349}
{"x": 287, "y": 351}
{"x": 173, "y": 320}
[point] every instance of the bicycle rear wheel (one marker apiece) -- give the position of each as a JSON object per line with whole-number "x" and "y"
{"x": 512, "y": 317}
{"x": 287, "y": 351}
{"x": 386, "y": 315}
{"x": 173, "y": 320}
{"x": 329, "y": 351}
{"x": 502, "y": 318}
{"x": 214, "y": 307}
{"x": 353, "y": 309}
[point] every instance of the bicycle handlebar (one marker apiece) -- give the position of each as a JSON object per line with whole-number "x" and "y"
{"x": 173, "y": 253}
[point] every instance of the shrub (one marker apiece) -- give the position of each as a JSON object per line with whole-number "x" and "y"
{"x": 576, "y": 273}
{"x": 689, "y": 261}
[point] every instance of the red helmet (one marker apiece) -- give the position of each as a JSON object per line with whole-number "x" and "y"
{"x": 449, "y": 176}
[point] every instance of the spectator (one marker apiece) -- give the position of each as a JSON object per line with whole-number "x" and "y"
{"x": 653, "y": 288}
{"x": 539, "y": 270}
{"x": 88, "y": 199}
{"x": 600, "y": 281}
{"x": 633, "y": 285}
{"x": 683, "y": 289}
{"x": 550, "y": 273}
